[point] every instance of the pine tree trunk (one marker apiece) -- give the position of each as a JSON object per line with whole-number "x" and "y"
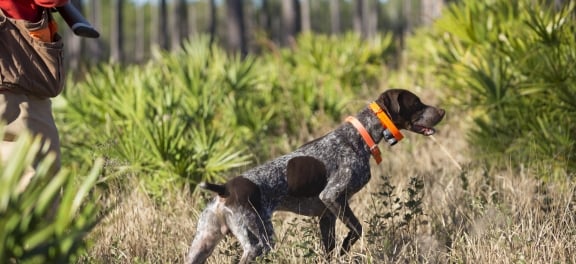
{"x": 117, "y": 38}
{"x": 236, "y": 34}
{"x": 289, "y": 22}
{"x": 213, "y": 21}
{"x": 371, "y": 17}
{"x": 74, "y": 43}
{"x": 192, "y": 22}
{"x": 179, "y": 23}
{"x": 431, "y": 10}
{"x": 406, "y": 22}
{"x": 265, "y": 20}
{"x": 359, "y": 17}
{"x": 305, "y": 11}
{"x": 335, "y": 17}
{"x": 95, "y": 46}
{"x": 140, "y": 41}
{"x": 163, "y": 38}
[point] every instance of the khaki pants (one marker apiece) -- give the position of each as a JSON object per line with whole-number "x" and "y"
{"x": 21, "y": 113}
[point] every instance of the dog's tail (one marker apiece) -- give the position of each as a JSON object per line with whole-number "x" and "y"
{"x": 217, "y": 188}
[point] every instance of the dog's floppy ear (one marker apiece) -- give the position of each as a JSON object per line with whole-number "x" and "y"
{"x": 389, "y": 101}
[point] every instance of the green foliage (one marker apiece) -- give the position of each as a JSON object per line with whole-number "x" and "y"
{"x": 166, "y": 121}
{"x": 319, "y": 77}
{"x": 199, "y": 113}
{"x": 514, "y": 63}
{"x": 45, "y": 222}
{"x": 395, "y": 217}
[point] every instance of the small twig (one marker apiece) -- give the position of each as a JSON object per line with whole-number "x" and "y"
{"x": 446, "y": 152}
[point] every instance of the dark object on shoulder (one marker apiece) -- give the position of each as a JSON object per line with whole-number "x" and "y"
{"x": 76, "y": 21}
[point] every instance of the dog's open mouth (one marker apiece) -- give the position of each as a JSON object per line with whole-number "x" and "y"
{"x": 427, "y": 131}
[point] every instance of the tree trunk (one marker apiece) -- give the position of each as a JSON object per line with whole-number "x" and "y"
{"x": 403, "y": 30}
{"x": 305, "y": 11}
{"x": 289, "y": 22}
{"x": 95, "y": 46}
{"x": 179, "y": 23}
{"x": 192, "y": 21}
{"x": 117, "y": 38}
{"x": 371, "y": 17}
{"x": 431, "y": 10}
{"x": 74, "y": 43}
{"x": 366, "y": 17}
{"x": 140, "y": 41}
{"x": 213, "y": 21}
{"x": 266, "y": 21}
{"x": 335, "y": 17}
{"x": 266, "y": 17}
{"x": 163, "y": 39}
{"x": 406, "y": 22}
{"x": 236, "y": 28}
{"x": 359, "y": 18}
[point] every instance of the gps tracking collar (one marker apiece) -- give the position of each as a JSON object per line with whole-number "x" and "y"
{"x": 391, "y": 134}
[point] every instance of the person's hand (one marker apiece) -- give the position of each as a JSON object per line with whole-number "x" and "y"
{"x": 46, "y": 34}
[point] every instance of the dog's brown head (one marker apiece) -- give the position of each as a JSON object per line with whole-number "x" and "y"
{"x": 408, "y": 112}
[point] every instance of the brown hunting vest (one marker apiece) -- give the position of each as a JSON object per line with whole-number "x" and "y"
{"x": 31, "y": 61}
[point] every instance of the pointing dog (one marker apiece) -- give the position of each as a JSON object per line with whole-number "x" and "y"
{"x": 317, "y": 180}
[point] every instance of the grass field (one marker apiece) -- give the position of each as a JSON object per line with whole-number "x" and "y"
{"x": 419, "y": 207}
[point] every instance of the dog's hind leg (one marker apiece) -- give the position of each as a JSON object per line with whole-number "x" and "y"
{"x": 209, "y": 232}
{"x": 255, "y": 233}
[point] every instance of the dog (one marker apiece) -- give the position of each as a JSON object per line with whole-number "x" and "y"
{"x": 315, "y": 180}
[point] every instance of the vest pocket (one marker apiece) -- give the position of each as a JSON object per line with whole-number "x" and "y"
{"x": 47, "y": 71}
{"x": 29, "y": 65}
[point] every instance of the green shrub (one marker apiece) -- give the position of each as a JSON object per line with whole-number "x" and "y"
{"x": 199, "y": 113}
{"x": 514, "y": 63}
{"x": 322, "y": 74}
{"x": 167, "y": 121}
{"x": 32, "y": 228}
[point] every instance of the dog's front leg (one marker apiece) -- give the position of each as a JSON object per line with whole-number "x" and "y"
{"x": 328, "y": 231}
{"x": 337, "y": 203}
{"x": 355, "y": 229}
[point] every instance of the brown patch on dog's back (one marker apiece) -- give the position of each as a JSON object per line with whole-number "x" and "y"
{"x": 306, "y": 176}
{"x": 243, "y": 192}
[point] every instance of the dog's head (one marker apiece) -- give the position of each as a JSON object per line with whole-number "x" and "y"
{"x": 408, "y": 112}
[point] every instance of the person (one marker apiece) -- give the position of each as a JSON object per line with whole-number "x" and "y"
{"x": 31, "y": 73}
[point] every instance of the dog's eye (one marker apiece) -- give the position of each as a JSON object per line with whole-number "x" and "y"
{"x": 417, "y": 104}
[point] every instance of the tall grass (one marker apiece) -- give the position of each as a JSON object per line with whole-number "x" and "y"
{"x": 471, "y": 216}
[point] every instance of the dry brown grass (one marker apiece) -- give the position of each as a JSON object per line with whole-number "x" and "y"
{"x": 470, "y": 216}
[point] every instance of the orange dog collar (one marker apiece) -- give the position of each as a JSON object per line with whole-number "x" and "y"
{"x": 367, "y": 138}
{"x": 391, "y": 132}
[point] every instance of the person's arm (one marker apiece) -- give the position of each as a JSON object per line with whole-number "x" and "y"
{"x": 47, "y": 34}
{"x": 50, "y": 3}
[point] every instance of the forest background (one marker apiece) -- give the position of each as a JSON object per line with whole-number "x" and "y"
{"x": 176, "y": 92}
